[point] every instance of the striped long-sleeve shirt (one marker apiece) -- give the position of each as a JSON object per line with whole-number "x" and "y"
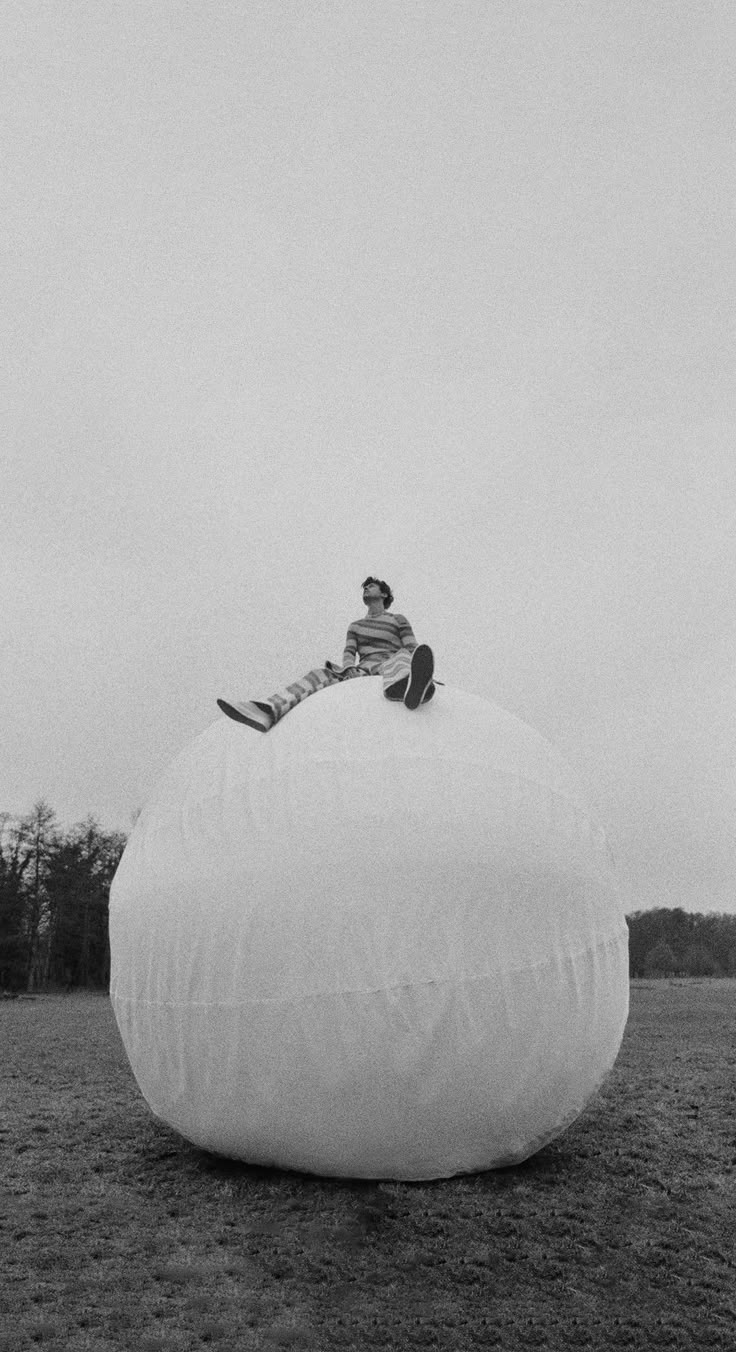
{"x": 375, "y": 638}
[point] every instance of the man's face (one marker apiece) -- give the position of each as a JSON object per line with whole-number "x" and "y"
{"x": 372, "y": 592}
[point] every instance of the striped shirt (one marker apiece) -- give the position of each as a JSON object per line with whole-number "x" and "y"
{"x": 375, "y": 638}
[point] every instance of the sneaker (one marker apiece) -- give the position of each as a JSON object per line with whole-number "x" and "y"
{"x": 422, "y": 670}
{"x": 258, "y": 716}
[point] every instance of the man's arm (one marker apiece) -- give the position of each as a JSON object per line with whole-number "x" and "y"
{"x": 351, "y": 648}
{"x": 406, "y": 633}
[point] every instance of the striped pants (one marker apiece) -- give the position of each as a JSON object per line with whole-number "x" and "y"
{"x": 394, "y": 672}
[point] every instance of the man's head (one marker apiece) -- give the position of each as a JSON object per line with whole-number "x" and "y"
{"x": 373, "y": 587}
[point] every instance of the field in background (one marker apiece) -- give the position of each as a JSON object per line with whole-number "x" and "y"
{"x": 116, "y": 1234}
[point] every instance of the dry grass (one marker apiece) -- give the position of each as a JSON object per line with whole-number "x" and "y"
{"x": 116, "y": 1234}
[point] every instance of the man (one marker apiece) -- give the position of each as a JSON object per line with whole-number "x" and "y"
{"x": 383, "y": 644}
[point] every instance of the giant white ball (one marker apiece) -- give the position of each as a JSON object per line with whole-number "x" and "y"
{"x": 370, "y": 943}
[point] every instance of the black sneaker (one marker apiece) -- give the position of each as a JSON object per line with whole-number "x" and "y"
{"x": 256, "y": 715}
{"x": 422, "y": 671}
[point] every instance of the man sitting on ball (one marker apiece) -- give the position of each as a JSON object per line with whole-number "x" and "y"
{"x": 384, "y": 645}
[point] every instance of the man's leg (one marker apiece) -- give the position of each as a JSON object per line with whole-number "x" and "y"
{"x": 421, "y": 686}
{"x": 408, "y": 676}
{"x": 395, "y": 674}
{"x": 262, "y": 714}
{"x": 284, "y": 700}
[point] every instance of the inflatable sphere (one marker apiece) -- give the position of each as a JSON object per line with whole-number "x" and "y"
{"x": 372, "y": 943}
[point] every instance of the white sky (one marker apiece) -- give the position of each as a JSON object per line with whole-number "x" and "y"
{"x": 442, "y": 291}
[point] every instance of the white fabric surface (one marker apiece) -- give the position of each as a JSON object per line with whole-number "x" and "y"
{"x": 370, "y": 943}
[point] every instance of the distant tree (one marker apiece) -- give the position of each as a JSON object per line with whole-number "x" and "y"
{"x": 14, "y": 858}
{"x": 699, "y": 961}
{"x": 649, "y": 928}
{"x": 67, "y": 887}
{"x": 661, "y": 960}
{"x": 40, "y": 833}
{"x": 644, "y": 933}
{"x": 687, "y": 934}
{"x": 81, "y": 868}
{"x": 54, "y": 893}
{"x": 718, "y": 933}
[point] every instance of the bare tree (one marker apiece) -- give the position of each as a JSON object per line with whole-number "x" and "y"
{"x": 15, "y": 856}
{"x": 40, "y": 833}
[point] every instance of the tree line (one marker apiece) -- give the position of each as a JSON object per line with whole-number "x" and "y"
{"x": 674, "y": 942}
{"x": 55, "y": 887}
{"x": 54, "y": 892}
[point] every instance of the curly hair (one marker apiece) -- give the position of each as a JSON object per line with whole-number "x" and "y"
{"x": 386, "y": 592}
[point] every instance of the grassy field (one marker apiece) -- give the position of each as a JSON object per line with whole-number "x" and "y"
{"x": 116, "y": 1234}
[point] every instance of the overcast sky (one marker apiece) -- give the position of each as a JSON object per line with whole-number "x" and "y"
{"x": 298, "y": 290}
